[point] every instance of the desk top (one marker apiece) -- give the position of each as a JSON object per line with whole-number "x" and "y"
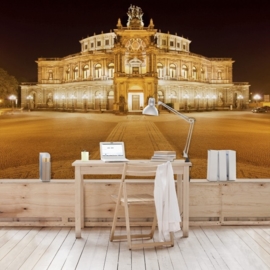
{"x": 100, "y": 162}
{"x": 101, "y": 167}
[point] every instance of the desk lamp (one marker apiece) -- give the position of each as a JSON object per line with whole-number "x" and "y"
{"x": 151, "y": 109}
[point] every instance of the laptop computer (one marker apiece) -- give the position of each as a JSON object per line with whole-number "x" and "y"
{"x": 112, "y": 151}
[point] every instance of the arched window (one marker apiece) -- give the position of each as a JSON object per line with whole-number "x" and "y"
{"x": 219, "y": 74}
{"x": 68, "y": 74}
{"x": 172, "y": 71}
{"x": 50, "y": 75}
{"x": 76, "y": 73}
{"x": 184, "y": 72}
{"x": 98, "y": 71}
{"x": 194, "y": 73}
{"x": 111, "y": 70}
{"x": 160, "y": 70}
{"x": 86, "y": 71}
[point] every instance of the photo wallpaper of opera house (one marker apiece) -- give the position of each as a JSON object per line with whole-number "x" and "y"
{"x": 118, "y": 72}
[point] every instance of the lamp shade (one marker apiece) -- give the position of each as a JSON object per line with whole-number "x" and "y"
{"x": 150, "y": 109}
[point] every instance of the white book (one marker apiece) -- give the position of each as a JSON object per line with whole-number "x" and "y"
{"x": 164, "y": 158}
{"x": 165, "y": 153}
{"x": 212, "y": 165}
{"x": 222, "y": 165}
{"x": 231, "y": 164}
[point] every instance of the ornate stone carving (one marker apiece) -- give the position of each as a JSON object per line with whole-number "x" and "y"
{"x": 135, "y": 17}
{"x": 135, "y": 44}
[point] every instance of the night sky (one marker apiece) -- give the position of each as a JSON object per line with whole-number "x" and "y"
{"x": 238, "y": 29}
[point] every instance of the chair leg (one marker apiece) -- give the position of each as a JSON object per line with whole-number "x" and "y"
{"x": 172, "y": 239}
{"x": 153, "y": 228}
{"x": 116, "y": 213}
{"x": 127, "y": 216}
{"x": 113, "y": 225}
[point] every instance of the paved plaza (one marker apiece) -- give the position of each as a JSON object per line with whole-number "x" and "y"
{"x": 64, "y": 135}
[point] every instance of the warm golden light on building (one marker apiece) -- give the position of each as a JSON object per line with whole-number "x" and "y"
{"x": 130, "y": 64}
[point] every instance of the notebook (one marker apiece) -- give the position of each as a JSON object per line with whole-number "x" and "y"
{"x": 112, "y": 151}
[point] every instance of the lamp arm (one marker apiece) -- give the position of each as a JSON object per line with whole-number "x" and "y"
{"x": 190, "y": 120}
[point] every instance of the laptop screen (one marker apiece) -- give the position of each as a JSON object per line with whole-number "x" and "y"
{"x": 112, "y": 149}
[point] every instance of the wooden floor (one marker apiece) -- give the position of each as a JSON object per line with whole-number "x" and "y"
{"x": 241, "y": 247}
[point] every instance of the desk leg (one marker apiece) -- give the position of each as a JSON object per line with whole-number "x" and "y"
{"x": 186, "y": 202}
{"x": 78, "y": 204}
{"x": 82, "y": 202}
{"x": 180, "y": 195}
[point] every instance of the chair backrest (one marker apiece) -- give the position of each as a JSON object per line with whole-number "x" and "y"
{"x": 139, "y": 169}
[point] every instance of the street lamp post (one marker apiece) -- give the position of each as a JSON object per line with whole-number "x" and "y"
{"x": 29, "y": 99}
{"x": 72, "y": 101}
{"x": 257, "y": 97}
{"x": 100, "y": 97}
{"x": 240, "y": 98}
{"x": 85, "y": 97}
{"x": 198, "y": 102}
{"x": 12, "y": 98}
{"x": 207, "y": 97}
{"x": 63, "y": 101}
{"x": 186, "y": 97}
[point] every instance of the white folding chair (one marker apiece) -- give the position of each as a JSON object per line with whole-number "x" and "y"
{"x": 125, "y": 200}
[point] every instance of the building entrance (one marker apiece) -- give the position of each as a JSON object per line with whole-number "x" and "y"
{"x": 135, "y": 101}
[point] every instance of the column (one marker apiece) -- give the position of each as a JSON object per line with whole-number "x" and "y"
{"x": 104, "y": 67}
{"x": 115, "y": 63}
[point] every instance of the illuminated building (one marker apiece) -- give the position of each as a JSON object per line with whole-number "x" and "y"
{"x": 118, "y": 71}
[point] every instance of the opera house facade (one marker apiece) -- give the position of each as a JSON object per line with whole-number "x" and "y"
{"x": 118, "y": 72}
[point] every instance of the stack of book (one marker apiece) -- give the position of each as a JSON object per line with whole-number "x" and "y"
{"x": 163, "y": 156}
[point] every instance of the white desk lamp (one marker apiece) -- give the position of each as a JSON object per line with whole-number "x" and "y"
{"x": 151, "y": 109}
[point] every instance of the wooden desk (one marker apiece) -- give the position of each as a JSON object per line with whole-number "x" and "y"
{"x": 98, "y": 167}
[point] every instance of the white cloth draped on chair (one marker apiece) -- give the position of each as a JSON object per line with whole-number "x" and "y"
{"x": 166, "y": 202}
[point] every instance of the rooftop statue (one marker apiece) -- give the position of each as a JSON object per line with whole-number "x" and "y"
{"x": 134, "y": 16}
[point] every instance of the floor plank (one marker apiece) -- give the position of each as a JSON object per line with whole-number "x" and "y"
{"x": 239, "y": 250}
{"x": 63, "y": 253}
{"x": 40, "y": 249}
{"x": 257, "y": 245}
{"x": 76, "y": 251}
{"x": 111, "y": 261}
{"x": 198, "y": 251}
{"x": 218, "y": 253}
{"x": 94, "y": 253}
{"x": 19, "y": 260}
{"x": 12, "y": 242}
{"x": 47, "y": 257}
{"x": 209, "y": 248}
{"x": 19, "y": 247}
{"x": 176, "y": 254}
{"x": 124, "y": 258}
{"x": 150, "y": 254}
{"x": 7, "y": 236}
{"x": 137, "y": 256}
{"x": 101, "y": 250}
